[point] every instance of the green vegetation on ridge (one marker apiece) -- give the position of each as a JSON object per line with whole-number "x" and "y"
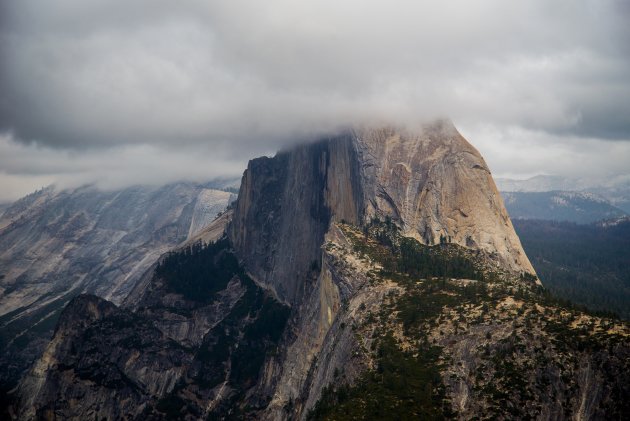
{"x": 199, "y": 271}
{"x": 405, "y": 385}
{"x": 513, "y": 347}
{"x": 234, "y": 351}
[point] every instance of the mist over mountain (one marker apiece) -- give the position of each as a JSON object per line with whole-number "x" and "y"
{"x": 118, "y": 94}
{"x": 368, "y": 275}
{"x": 354, "y": 256}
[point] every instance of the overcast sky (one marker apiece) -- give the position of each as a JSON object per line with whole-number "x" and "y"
{"x": 138, "y": 91}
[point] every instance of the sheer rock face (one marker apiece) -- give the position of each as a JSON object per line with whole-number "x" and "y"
{"x": 175, "y": 348}
{"x": 436, "y": 184}
{"x": 285, "y": 206}
{"x": 103, "y": 362}
{"x": 432, "y": 182}
{"x": 52, "y": 242}
{"x": 239, "y": 354}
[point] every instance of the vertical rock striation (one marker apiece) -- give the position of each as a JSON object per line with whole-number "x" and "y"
{"x": 56, "y": 244}
{"x": 436, "y": 184}
{"x": 285, "y": 206}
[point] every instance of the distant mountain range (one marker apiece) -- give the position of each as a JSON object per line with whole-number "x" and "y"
{"x": 615, "y": 190}
{"x": 575, "y": 231}
{"x": 569, "y": 206}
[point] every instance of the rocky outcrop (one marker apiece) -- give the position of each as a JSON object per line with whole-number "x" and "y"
{"x": 431, "y": 182}
{"x": 499, "y": 348}
{"x": 102, "y": 361}
{"x": 193, "y": 345}
{"x": 84, "y": 352}
{"x": 210, "y": 234}
{"x": 56, "y": 244}
{"x": 285, "y": 206}
{"x": 436, "y": 184}
{"x": 323, "y": 341}
{"x": 318, "y": 229}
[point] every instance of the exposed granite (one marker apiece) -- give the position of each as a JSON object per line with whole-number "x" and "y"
{"x": 431, "y": 182}
{"x": 284, "y": 227}
{"x": 284, "y": 208}
{"x": 56, "y": 244}
{"x": 177, "y": 354}
{"x": 434, "y": 183}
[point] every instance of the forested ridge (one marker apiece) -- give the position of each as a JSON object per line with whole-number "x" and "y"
{"x": 585, "y": 264}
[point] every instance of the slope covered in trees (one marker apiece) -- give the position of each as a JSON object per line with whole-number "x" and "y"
{"x": 585, "y": 264}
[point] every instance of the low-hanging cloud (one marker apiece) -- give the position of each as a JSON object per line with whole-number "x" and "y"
{"x": 247, "y": 77}
{"x": 30, "y": 167}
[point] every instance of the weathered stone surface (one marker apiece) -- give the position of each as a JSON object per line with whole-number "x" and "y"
{"x": 55, "y": 245}
{"x": 177, "y": 349}
{"x": 324, "y": 342}
{"x": 506, "y": 352}
{"x": 431, "y": 182}
{"x": 285, "y": 228}
{"x": 435, "y": 183}
{"x": 285, "y": 206}
{"x": 102, "y": 362}
{"x": 211, "y": 233}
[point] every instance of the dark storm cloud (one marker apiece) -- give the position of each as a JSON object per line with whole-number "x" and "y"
{"x": 247, "y": 77}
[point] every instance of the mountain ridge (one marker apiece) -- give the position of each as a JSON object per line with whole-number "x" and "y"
{"x": 580, "y": 207}
{"x": 408, "y": 295}
{"x": 55, "y": 244}
{"x": 616, "y": 189}
{"x": 363, "y": 174}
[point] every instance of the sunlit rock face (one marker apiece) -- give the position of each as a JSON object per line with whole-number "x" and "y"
{"x": 436, "y": 184}
{"x": 429, "y": 181}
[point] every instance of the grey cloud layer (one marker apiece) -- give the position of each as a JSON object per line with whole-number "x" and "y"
{"x": 26, "y": 168}
{"x": 250, "y": 76}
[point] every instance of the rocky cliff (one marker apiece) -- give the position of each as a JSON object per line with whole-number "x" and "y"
{"x": 56, "y": 244}
{"x": 431, "y": 182}
{"x": 285, "y": 206}
{"x": 193, "y": 346}
{"x": 369, "y": 275}
{"x": 436, "y": 184}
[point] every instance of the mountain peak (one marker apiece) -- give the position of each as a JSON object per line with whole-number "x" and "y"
{"x": 430, "y": 181}
{"x": 335, "y": 229}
